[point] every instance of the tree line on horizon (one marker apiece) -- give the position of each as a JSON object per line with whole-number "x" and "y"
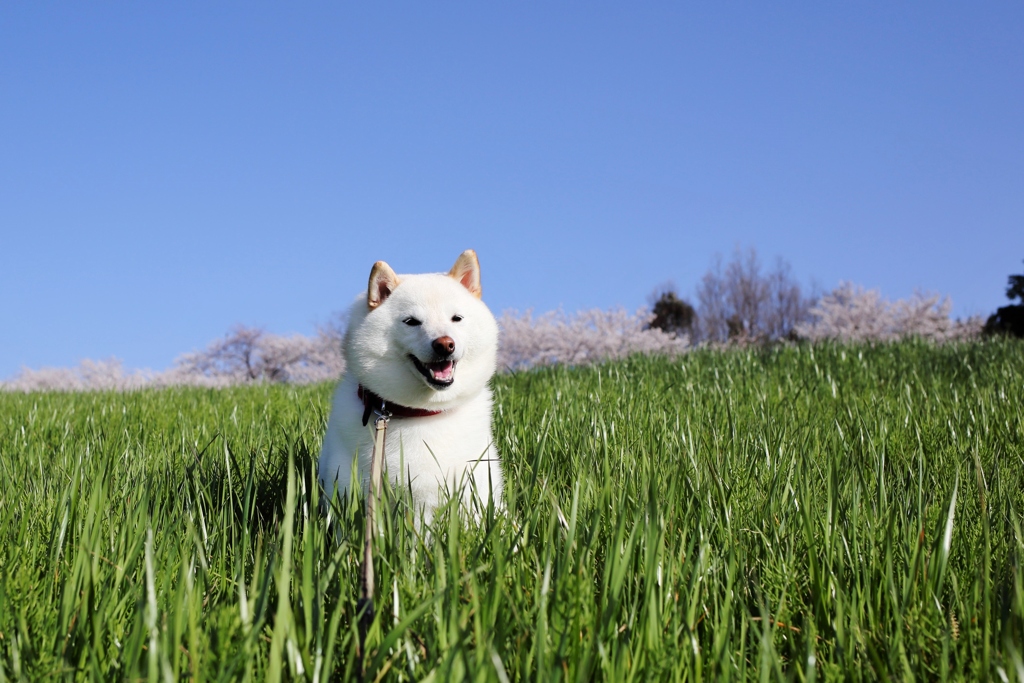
{"x": 736, "y": 303}
{"x": 741, "y": 304}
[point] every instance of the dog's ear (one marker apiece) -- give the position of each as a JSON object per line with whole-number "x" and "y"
{"x": 467, "y": 271}
{"x": 382, "y": 282}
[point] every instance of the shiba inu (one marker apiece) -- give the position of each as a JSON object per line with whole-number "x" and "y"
{"x": 423, "y": 347}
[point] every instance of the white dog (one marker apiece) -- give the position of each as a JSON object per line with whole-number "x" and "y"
{"x": 424, "y": 347}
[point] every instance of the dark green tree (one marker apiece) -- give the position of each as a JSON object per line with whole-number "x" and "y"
{"x": 1015, "y": 288}
{"x": 1009, "y": 319}
{"x": 672, "y": 314}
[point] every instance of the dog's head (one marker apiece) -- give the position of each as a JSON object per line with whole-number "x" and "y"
{"x": 424, "y": 341}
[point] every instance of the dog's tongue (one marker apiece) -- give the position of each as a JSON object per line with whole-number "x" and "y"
{"x": 442, "y": 369}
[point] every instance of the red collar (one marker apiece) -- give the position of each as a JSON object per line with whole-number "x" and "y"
{"x": 372, "y": 401}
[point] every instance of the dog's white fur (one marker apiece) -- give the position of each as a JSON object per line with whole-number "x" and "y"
{"x": 432, "y": 453}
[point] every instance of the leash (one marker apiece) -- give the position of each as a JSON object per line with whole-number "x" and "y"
{"x": 365, "y": 605}
{"x": 384, "y": 410}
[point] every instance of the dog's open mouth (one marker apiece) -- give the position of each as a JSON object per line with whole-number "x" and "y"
{"x": 439, "y": 374}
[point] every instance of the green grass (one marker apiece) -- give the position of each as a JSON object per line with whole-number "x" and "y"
{"x": 800, "y": 513}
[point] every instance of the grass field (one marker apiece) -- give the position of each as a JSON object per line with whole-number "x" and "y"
{"x": 802, "y": 513}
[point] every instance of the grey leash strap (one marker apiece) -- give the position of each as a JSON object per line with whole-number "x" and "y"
{"x": 365, "y": 606}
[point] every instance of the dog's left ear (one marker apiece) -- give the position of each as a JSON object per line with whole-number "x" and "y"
{"x": 467, "y": 271}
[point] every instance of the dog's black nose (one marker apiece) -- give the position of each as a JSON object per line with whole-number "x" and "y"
{"x": 443, "y": 346}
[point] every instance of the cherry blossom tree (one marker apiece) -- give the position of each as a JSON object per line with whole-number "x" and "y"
{"x": 851, "y": 313}
{"x": 585, "y": 337}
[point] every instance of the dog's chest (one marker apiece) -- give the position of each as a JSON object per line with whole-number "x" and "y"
{"x": 448, "y": 440}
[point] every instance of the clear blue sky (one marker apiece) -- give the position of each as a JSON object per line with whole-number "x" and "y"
{"x": 169, "y": 169}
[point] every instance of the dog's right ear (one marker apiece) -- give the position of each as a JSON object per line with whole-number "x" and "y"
{"x": 382, "y": 282}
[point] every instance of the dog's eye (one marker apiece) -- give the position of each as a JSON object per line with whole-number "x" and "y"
{"x": 456, "y": 318}
{"x": 412, "y": 322}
